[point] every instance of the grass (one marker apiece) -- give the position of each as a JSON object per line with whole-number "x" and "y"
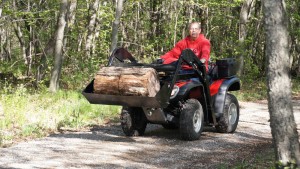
{"x": 25, "y": 114}
{"x": 253, "y": 90}
{"x": 296, "y": 87}
{"x": 263, "y": 160}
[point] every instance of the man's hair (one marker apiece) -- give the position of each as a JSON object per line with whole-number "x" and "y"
{"x": 199, "y": 24}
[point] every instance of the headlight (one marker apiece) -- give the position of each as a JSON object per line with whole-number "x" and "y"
{"x": 174, "y": 92}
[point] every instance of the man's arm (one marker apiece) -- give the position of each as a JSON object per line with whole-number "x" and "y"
{"x": 173, "y": 54}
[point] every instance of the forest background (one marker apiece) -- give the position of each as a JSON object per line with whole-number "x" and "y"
{"x": 30, "y": 31}
{"x": 147, "y": 29}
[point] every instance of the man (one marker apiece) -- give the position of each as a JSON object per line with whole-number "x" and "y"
{"x": 194, "y": 41}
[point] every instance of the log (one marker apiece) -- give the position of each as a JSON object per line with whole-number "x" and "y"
{"x": 126, "y": 81}
{"x": 107, "y": 80}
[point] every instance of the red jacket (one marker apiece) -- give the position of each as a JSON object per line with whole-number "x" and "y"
{"x": 201, "y": 47}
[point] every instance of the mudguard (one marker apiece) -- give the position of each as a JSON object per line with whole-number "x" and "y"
{"x": 231, "y": 84}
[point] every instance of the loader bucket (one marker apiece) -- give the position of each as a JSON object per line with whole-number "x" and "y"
{"x": 131, "y": 101}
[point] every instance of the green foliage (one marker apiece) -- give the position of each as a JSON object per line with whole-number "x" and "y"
{"x": 252, "y": 90}
{"x": 289, "y": 165}
{"x": 148, "y": 29}
{"x": 33, "y": 130}
{"x": 30, "y": 113}
{"x": 296, "y": 87}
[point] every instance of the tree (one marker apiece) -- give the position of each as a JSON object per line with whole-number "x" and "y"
{"x": 2, "y": 37}
{"x": 91, "y": 26}
{"x": 282, "y": 121}
{"x": 116, "y": 23}
{"x": 58, "y": 54}
{"x": 244, "y": 18}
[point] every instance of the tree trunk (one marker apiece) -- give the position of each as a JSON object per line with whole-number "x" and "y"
{"x": 1, "y": 35}
{"x": 116, "y": 23}
{"x": 1, "y": 44}
{"x": 29, "y": 51}
{"x": 7, "y": 46}
{"x": 58, "y": 55}
{"x": 127, "y": 81}
{"x": 298, "y": 71}
{"x": 29, "y": 48}
{"x": 282, "y": 121}
{"x": 70, "y": 17}
{"x": 97, "y": 33}
{"x": 91, "y": 27}
{"x": 244, "y": 17}
{"x": 176, "y": 21}
{"x": 18, "y": 30}
{"x": 136, "y": 24}
{"x": 21, "y": 40}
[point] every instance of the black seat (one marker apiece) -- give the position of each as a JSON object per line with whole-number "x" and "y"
{"x": 163, "y": 67}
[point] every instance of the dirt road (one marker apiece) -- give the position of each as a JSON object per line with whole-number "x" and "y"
{"x": 107, "y": 147}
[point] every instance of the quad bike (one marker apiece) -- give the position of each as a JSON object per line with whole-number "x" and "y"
{"x": 189, "y": 98}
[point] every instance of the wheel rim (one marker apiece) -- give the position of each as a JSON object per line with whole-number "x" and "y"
{"x": 232, "y": 113}
{"x": 197, "y": 122}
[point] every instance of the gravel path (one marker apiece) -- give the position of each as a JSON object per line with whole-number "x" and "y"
{"x": 106, "y": 146}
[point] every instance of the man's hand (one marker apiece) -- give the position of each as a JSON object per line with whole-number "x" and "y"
{"x": 202, "y": 60}
{"x": 159, "y": 61}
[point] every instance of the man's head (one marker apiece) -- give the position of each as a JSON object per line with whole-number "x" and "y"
{"x": 194, "y": 30}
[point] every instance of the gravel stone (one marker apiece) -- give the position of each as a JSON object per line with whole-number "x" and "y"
{"x": 107, "y": 147}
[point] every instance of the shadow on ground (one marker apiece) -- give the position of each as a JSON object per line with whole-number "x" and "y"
{"x": 162, "y": 148}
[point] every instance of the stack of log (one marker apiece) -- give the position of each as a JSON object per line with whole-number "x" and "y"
{"x": 124, "y": 81}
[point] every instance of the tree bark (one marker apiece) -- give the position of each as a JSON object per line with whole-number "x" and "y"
{"x": 70, "y": 17}
{"x": 58, "y": 54}
{"x": 1, "y": 35}
{"x": 282, "y": 121}
{"x": 7, "y": 45}
{"x": 29, "y": 48}
{"x": 244, "y": 18}
{"x": 127, "y": 81}
{"x": 116, "y": 23}
{"x": 176, "y": 21}
{"x": 97, "y": 33}
{"x": 93, "y": 10}
{"x": 21, "y": 40}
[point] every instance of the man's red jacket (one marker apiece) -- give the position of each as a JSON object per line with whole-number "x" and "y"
{"x": 200, "y": 46}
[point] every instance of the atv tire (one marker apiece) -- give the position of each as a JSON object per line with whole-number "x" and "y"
{"x": 191, "y": 120}
{"x": 228, "y": 122}
{"x": 133, "y": 121}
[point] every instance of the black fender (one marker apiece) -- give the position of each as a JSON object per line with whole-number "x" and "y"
{"x": 231, "y": 84}
{"x": 184, "y": 92}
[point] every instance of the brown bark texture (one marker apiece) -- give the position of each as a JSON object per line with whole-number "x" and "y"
{"x": 126, "y": 81}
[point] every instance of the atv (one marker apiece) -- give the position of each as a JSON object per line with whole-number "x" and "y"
{"x": 189, "y": 97}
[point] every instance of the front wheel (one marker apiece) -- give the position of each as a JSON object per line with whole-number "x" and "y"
{"x": 133, "y": 121}
{"x": 228, "y": 122}
{"x": 191, "y": 120}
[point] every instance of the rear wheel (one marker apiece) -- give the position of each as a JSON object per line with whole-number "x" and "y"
{"x": 228, "y": 122}
{"x": 133, "y": 121}
{"x": 191, "y": 120}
